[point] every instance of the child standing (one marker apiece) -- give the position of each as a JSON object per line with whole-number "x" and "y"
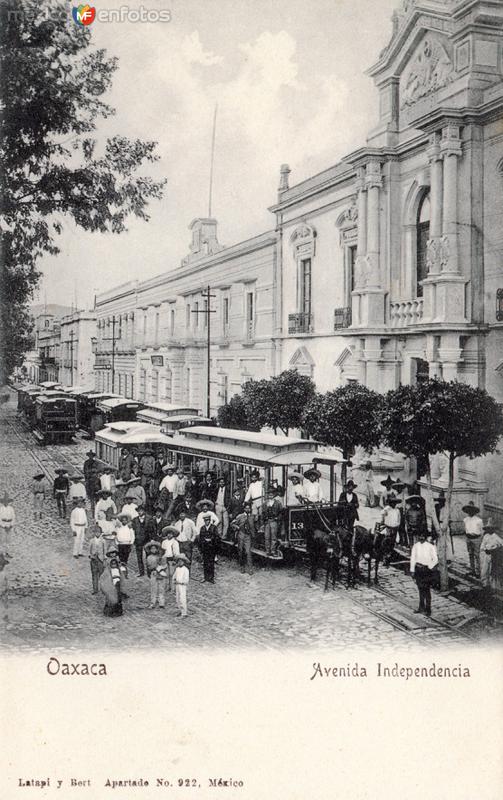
{"x": 60, "y": 490}
{"x": 181, "y": 579}
{"x": 39, "y": 488}
{"x": 97, "y": 552}
{"x": 158, "y": 581}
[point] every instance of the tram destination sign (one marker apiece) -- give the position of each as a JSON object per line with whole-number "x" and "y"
{"x": 235, "y": 459}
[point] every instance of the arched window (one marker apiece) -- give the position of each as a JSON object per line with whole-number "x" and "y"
{"x": 423, "y": 234}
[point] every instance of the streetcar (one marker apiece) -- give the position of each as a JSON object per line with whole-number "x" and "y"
{"x": 115, "y": 409}
{"x": 30, "y": 399}
{"x": 54, "y": 419}
{"x": 159, "y": 413}
{"x": 135, "y": 436}
{"x": 89, "y": 418}
{"x": 233, "y": 454}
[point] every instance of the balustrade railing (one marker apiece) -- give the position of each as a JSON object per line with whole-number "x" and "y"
{"x": 300, "y": 323}
{"x": 406, "y": 312}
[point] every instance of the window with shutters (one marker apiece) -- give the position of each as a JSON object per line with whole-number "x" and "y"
{"x": 423, "y": 235}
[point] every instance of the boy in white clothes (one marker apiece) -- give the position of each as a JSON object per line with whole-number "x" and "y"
{"x": 78, "y": 525}
{"x": 204, "y": 507}
{"x": 171, "y": 550}
{"x": 181, "y": 579}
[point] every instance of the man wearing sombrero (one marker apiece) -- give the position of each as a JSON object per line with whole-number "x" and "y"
{"x": 349, "y": 499}
{"x": 60, "y": 490}
{"x": 295, "y": 490}
{"x": 391, "y": 517}
{"x": 91, "y": 471}
{"x": 313, "y": 492}
{"x": 205, "y": 507}
{"x": 474, "y": 530}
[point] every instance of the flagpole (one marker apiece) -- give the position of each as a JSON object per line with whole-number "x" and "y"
{"x": 212, "y": 158}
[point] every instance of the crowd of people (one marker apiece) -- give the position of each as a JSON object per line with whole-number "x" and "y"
{"x": 157, "y": 511}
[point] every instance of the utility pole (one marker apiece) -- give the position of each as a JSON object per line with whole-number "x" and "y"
{"x": 113, "y": 354}
{"x": 72, "y": 336}
{"x": 208, "y": 311}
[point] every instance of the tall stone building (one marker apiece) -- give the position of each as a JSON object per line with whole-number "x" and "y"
{"x": 392, "y": 262}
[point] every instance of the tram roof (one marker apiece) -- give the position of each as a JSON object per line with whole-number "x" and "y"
{"x": 50, "y": 385}
{"x": 122, "y": 433}
{"x": 98, "y": 395}
{"x": 171, "y": 408}
{"x": 52, "y": 396}
{"x": 78, "y": 389}
{"x": 115, "y": 402}
{"x": 246, "y": 447}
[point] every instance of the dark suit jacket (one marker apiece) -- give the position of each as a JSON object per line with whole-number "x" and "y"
{"x": 353, "y": 505}
{"x": 209, "y": 491}
{"x": 143, "y": 531}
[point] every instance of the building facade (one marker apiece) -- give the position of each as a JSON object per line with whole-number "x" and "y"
{"x": 392, "y": 262}
{"x": 42, "y": 363}
{"x": 76, "y": 357}
{"x": 152, "y": 335}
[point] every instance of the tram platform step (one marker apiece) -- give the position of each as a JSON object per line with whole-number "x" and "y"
{"x": 255, "y": 550}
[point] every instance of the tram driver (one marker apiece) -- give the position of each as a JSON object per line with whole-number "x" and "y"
{"x": 255, "y": 496}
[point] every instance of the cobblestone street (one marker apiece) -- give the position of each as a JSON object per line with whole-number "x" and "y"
{"x": 50, "y": 604}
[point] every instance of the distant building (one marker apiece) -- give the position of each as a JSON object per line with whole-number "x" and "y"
{"x": 42, "y": 363}
{"x": 76, "y": 357}
{"x": 152, "y": 335}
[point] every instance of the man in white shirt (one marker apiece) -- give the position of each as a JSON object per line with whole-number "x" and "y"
{"x": 295, "y": 491}
{"x": 221, "y": 511}
{"x": 255, "y": 496}
{"x": 103, "y": 503}
{"x": 171, "y": 550}
{"x": 205, "y": 509}
{"x": 125, "y": 536}
{"x": 107, "y": 481}
{"x": 187, "y": 534}
{"x": 77, "y": 489}
{"x": 130, "y": 507}
{"x": 78, "y": 525}
{"x": 7, "y": 522}
{"x": 423, "y": 560}
{"x": 391, "y": 517}
{"x": 181, "y": 483}
{"x": 312, "y": 490}
{"x": 474, "y": 530}
{"x": 170, "y": 481}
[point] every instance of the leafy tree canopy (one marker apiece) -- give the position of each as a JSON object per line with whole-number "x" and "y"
{"x": 234, "y": 415}
{"x": 437, "y": 416}
{"x": 278, "y": 403}
{"x": 51, "y": 86}
{"x": 348, "y": 417}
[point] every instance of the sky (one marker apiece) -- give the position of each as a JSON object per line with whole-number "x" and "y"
{"x": 288, "y": 78}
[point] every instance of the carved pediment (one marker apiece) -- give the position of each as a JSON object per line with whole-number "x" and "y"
{"x": 430, "y": 68}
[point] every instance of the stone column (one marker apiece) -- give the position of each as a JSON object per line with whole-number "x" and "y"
{"x": 373, "y": 182}
{"x": 436, "y": 201}
{"x": 451, "y": 150}
{"x": 361, "y": 246}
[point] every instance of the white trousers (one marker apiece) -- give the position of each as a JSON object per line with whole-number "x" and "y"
{"x": 181, "y": 598}
{"x": 78, "y": 540}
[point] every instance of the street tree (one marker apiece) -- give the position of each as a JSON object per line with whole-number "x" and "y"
{"x": 347, "y": 417}
{"x": 52, "y": 81}
{"x": 234, "y": 415}
{"x": 441, "y": 417}
{"x": 278, "y": 403}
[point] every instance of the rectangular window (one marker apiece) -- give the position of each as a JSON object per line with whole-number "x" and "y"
{"x": 172, "y": 322}
{"x": 142, "y": 384}
{"x": 224, "y": 389}
{"x": 187, "y": 316}
{"x": 225, "y": 314}
{"x": 305, "y": 286}
{"x": 155, "y": 386}
{"x": 205, "y": 315}
{"x": 351, "y": 270}
{"x": 250, "y": 315}
{"x": 196, "y": 315}
{"x": 144, "y": 324}
{"x": 156, "y": 328}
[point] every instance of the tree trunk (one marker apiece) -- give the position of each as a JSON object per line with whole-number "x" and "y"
{"x": 441, "y": 532}
{"x": 344, "y": 468}
{"x": 445, "y": 527}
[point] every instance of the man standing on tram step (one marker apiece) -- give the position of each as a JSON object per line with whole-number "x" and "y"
{"x": 221, "y": 508}
{"x": 243, "y": 525}
{"x": 126, "y": 465}
{"x": 147, "y": 468}
{"x": 255, "y": 496}
{"x": 208, "y": 545}
{"x": 167, "y": 489}
{"x": 209, "y": 489}
{"x": 78, "y": 525}
{"x": 60, "y": 491}
{"x": 91, "y": 473}
{"x": 143, "y": 532}
{"x": 273, "y": 512}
